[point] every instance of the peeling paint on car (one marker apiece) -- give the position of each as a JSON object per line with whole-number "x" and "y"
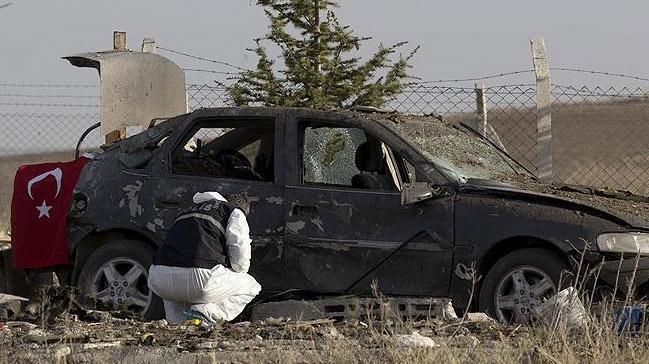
{"x": 294, "y": 227}
{"x": 275, "y": 200}
{"x": 132, "y": 195}
{"x": 150, "y": 226}
{"x": 155, "y": 225}
{"x": 317, "y": 222}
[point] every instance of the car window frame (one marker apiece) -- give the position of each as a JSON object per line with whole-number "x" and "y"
{"x": 300, "y": 127}
{"x": 189, "y": 129}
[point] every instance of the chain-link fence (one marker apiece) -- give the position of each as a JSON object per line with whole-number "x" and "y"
{"x": 599, "y": 135}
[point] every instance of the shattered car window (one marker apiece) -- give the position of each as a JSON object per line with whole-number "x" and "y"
{"x": 329, "y": 154}
{"x": 459, "y": 154}
{"x": 346, "y": 157}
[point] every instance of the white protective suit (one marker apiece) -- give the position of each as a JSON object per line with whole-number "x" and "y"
{"x": 219, "y": 293}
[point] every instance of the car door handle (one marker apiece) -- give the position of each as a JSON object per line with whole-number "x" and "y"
{"x": 304, "y": 210}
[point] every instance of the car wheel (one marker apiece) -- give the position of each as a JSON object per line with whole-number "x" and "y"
{"x": 116, "y": 274}
{"x": 521, "y": 281}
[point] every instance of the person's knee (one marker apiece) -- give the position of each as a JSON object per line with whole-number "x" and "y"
{"x": 255, "y": 287}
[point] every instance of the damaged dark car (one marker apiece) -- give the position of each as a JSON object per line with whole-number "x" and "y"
{"x": 343, "y": 199}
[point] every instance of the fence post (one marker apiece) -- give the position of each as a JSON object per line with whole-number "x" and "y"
{"x": 543, "y": 109}
{"x": 481, "y": 109}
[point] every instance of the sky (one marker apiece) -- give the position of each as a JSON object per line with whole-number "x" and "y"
{"x": 458, "y": 39}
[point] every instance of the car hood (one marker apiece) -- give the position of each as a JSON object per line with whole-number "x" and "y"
{"x": 621, "y": 207}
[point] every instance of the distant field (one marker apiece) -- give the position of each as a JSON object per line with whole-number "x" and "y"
{"x": 602, "y": 144}
{"x": 598, "y": 144}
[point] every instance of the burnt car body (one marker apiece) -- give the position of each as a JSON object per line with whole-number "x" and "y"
{"x": 339, "y": 200}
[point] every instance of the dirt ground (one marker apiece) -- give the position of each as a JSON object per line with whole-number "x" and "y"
{"x": 95, "y": 336}
{"x": 271, "y": 340}
{"x": 56, "y": 328}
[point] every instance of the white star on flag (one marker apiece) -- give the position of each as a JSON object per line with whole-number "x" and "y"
{"x": 43, "y": 210}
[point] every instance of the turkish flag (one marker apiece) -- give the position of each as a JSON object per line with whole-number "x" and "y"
{"x": 39, "y": 210}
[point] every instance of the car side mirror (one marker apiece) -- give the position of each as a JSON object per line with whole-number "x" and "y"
{"x": 416, "y": 191}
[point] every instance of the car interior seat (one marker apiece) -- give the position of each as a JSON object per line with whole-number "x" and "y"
{"x": 235, "y": 164}
{"x": 371, "y": 164}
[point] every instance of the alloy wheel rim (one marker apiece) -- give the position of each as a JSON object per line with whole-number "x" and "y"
{"x": 121, "y": 283}
{"x": 521, "y": 292}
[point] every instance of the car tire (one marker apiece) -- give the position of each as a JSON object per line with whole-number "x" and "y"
{"x": 116, "y": 274}
{"x": 520, "y": 281}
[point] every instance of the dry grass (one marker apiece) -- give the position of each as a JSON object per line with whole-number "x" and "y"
{"x": 596, "y": 342}
{"x": 371, "y": 340}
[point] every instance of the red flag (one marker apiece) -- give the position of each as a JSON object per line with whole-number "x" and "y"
{"x": 39, "y": 210}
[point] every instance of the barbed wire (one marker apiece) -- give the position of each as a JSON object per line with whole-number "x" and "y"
{"x": 505, "y": 74}
{"x": 51, "y": 96}
{"x": 209, "y": 71}
{"x": 46, "y": 104}
{"x": 479, "y": 78}
{"x": 594, "y": 72}
{"x": 511, "y": 85}
{"x": 426, "y": 87}
{"x": 216, "y": 86}
{"x": 50, "y": 114}
{"x": 598, "y": 91}
{"x": 203, "y": 58}
{"x": 53, "y": 85}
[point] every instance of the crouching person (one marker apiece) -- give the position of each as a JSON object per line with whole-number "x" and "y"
{"x": 201, "y": 272}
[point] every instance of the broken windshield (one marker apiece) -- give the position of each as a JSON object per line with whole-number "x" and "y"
{"x": 462, "y": 156}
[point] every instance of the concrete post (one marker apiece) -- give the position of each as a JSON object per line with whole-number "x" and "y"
{"x": 543, "y": 110}
{"x": 481, "y": 109}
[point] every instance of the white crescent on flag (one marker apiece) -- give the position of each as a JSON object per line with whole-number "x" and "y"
{"x": 57, "y": 173}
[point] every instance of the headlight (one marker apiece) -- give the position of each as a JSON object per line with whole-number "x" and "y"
{"x": 624, "y": 243}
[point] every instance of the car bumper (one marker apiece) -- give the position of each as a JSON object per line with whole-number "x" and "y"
{"x": 632, "y": 273}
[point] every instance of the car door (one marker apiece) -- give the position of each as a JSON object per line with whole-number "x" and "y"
{"x": 229, "y": 152}
{"x": 339, "y": 237}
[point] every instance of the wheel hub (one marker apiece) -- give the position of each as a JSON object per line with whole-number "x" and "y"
{"x": 520, "y": 292}
{"x": 525, "y": 302}
{"x": 121, "y": 284}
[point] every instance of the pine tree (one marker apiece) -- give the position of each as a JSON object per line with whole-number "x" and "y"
{"x": 320, "y": 68}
